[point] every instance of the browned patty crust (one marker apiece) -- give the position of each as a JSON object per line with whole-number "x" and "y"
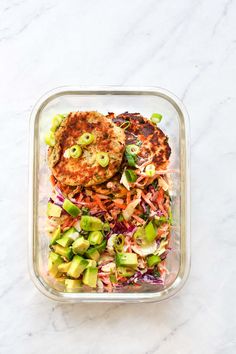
{"x": 153, "y": 143}
{"x": 85, "y": 170}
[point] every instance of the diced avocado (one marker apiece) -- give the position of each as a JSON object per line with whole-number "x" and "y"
{"x": 80, "y": 245}
{"x": 52, "y": 268}
{"x": 71, "y": 208}
{"x": 55, "y": 235}
{"x": 150, "y": 231}
{"x": 53, "y": 210}
{"x": 90, "y": 277}
{"x": 64, "y": 267}
{"x": 92, "y": 253}
{"x": 72, "y": 233}
{"x": 127, "y": 259}
{"x": 106, "y": 227}
{"x": 91, "y": 263}
{"x": 72, "y": 285}
{"x": 77, "y": 266}
{"x": 63, "y": 251}
{"x": 95, "y": 237}
{"x": 100, "y": 248}
{"x": 65, "y": 241}
{"x": 125, "y": 272}
{"x": 55, "y": 258}
{"x": 153, "y": 260}
{"x": 90, "y": 223}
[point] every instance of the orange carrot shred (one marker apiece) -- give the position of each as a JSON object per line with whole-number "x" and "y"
{"x": 137, "y": 218}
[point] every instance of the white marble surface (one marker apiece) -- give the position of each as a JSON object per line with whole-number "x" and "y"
{"x": 186, "y": 46}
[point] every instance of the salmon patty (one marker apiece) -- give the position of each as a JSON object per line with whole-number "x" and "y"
{"x": 152, "y": 142}
{"x": 86, "y": 170}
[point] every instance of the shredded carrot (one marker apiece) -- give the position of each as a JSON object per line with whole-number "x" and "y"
{"x": 137, "y": 212}
{"x": 53, "y": 180}
{"x": 102, "y": 196}
{"x": 121, "y": 206}
{"x": 137, "y": 218}
{"x": 152, "y": 206}
{"x": 128, "y": 197}
{"x": 99, "y": 202}
{"x": 79, "y": 198}
{"x": 140, "y": 178}
{"x": 126, "y": 223}
{"x": 68, "y": 222}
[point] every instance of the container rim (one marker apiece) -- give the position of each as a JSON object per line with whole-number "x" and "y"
{"x": 182, "y": 276}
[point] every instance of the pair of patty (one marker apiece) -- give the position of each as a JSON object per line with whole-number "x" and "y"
{"x": 111, "y": 135}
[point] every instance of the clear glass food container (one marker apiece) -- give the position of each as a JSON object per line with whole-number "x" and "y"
{"x": 117, "y": 100}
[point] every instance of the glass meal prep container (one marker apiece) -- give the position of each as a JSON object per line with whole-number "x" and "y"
{"x": 118, "y": 100}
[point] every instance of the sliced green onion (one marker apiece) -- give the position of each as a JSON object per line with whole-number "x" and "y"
{"x": 132, "y": 149}
{"x": 150, "y": 170}
{"x": 102, "y": 158}
{"x": 56, "y": 122}
{"x": 86, "y": 139}
{"x": 75, "y": 151}
{"x": 125, "y": 125}
{"x": 119, "y": 243}
{"x": 130, "y": 175}
{"x": 156, "y": 118}
{"x": 131, "y": 160}
{"x": 50, "y": 138}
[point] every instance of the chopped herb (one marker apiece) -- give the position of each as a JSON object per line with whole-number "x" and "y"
{"x": 120, "y": 217}
{"x": 156, "y": 272}
{"x": 130, "y": 175}
{"x": 125, "y": 125}
{"x": 85, "y": 211}
{"x": 131, "y": 159}
{"x": 155, "y": 184}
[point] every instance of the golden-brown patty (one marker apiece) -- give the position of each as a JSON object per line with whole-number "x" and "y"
{"x": 152, "y": 142}
{"x": 85, "y": 170}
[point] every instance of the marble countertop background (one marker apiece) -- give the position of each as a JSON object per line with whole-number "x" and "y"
{"x": 186, "y": 46}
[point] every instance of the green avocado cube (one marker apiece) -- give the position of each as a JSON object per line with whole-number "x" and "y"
{"x": 55, "y": 235}
{"x": 72, "y": 233}
{"x": 127, "y": 260}
{"x": 150, "y": 232}
{"x": 80, "y": 245}
{"x": 52, "y": 268}
{"x": 153, "y": 260}
{"x": 125, "y": 271}
{"x": 71, "y": 208}
{"x": 55, "y": 258}
{"x": 90, "y": 277}
{"x": 92, "y": 253}
{"x": 72, "y": 285}
{"x": 92, "y": 263}
{"x": 53, "y": 210}
{"x": 91, "y": 223}
{"x": 95, "y": 237}
{"x": 63, "y": 251}
{"x": 64, "y": 267}
{"x": 77, "y": 267}
{"x": 65, "y": 241}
